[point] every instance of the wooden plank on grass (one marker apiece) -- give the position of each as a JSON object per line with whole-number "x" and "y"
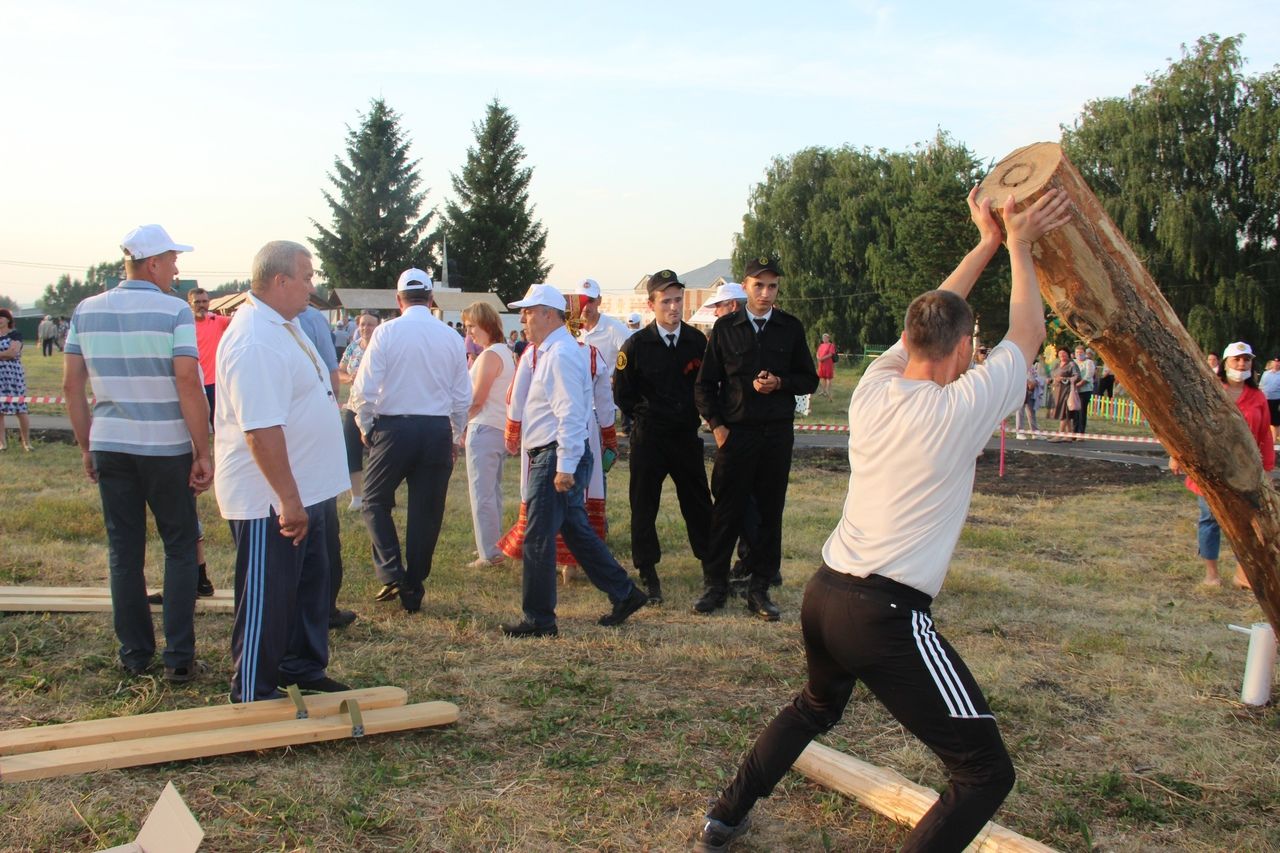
{"x": 85, "y": 592}
{"x": 896, "y": 797}
{"x": 115, "y": 729}
{"x": 188, "y": 745}
{"x": 72, "y": 604}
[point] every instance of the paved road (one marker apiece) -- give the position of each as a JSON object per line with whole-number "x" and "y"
{"x": 1108, "y": 451}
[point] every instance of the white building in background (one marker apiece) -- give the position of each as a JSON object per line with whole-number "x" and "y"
{"x": 699, "y": 284}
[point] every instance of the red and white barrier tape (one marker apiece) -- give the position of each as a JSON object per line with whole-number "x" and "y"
{"x": 60, "y": 401}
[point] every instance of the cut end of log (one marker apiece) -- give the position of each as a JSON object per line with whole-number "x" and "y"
{"x": 1022, "y": 174}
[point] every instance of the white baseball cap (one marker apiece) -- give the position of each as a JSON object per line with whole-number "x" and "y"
{"x": 146, "y": 241}
{"x": 413, "y": 279}
{"x": 540, "y": 294}
{"x": 635, "y": 317}
{"x": 1238, "y": 348}
{"x": 729, "y": 291}
{"x": 589, "y": 287}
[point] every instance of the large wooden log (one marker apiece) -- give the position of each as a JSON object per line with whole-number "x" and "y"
{"x": 1096, "y": 283}
{"x": 897, "y": 797}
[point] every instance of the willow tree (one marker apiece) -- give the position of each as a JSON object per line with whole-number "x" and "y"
{"x": 1188, "y": 166}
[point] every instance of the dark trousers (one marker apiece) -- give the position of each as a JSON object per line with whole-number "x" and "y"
{"x": 416, "y": 448}
{"x": 333, "y": 549}
{"x": 351, "y": 438}
{"x": 1080, "y": 418}
{"x": 46, "y": 346}
{"x": 755, "y": 463}
{"x": 880, "y": 632}
{"x": 209, "y": 394}
{"x": 549, "y": 512}
{"x": 657, "y": 453}
{"x": 281, "y": 630}
{"x": 128, "y": 484}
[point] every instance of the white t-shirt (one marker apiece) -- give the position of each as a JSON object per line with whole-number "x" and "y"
{"x": 268, "y": 377}
{"x": 608, "y": 336}
{"x": 913, "y": 446}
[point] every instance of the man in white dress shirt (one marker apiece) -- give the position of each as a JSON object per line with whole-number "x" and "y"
{"x": 603, "y": 332}
{"x": 410, "y": 396}
{"x": 918, "y": 420}
{"x": 278, "y": 458}
{"x": 554, "y": 436}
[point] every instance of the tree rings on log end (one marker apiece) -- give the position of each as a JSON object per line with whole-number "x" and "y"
{"x": 1023, "y": 174}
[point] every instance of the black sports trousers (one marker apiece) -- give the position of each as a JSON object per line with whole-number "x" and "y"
{"x": 880, "y": 632}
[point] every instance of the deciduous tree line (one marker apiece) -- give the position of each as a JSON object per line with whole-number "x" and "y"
{"x": 1188, "y": 165}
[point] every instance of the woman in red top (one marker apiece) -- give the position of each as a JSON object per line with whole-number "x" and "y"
{"x": 826, "y": 365}
{"x": 1236, "y": 372}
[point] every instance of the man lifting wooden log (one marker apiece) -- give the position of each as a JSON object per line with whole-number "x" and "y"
{"x": 918, "y": 421}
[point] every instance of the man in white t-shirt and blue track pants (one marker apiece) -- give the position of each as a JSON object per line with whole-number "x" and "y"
{"x": 918, "y": 420}
{"x": 278, "y": 460}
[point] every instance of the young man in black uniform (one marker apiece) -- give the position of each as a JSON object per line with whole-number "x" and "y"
{"x": 653, "y": 385}
{"x": 757, "y": 362}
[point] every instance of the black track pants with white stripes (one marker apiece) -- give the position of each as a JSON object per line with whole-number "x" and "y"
{"x": 879, "y": 632}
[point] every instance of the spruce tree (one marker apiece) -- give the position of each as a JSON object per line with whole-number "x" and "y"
{"x": 377, "y": 231}
{"x": 493, "y": 238}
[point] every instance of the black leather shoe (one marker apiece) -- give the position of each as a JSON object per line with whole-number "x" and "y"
{"x": 758, "y": 603}
{"x": 204, "y": 586}
{"x": 341, "y": 618}
{"x": 712, "y": 599}
{"x": 389, "y": 592}
{"x": 324, "y": 684}
{"x": 652, "y": 586}
{"x": 525, "y": 628}
{"x": 155, "y": 598}
{"x": 624, "y": 608}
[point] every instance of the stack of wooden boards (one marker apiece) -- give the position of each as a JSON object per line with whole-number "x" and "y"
{"x": 83, "y": 747}
{"x": 88, "y": 599}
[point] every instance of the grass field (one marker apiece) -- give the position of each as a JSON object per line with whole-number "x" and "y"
{"x": 1112, "y": 673}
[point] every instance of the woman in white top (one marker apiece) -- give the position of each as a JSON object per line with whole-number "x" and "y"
{"x": 491, "y": 375}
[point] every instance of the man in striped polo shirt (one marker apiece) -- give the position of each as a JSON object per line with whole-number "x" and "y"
{"x": 146, "y": 443}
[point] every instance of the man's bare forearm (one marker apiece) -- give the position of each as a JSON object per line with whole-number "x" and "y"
{"x": 271, "y": 454}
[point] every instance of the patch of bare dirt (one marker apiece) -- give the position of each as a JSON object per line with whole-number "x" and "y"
{"x": 1025, "y": 474}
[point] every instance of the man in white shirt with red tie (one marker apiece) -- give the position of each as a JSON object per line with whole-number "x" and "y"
{"x": 278, "y": 458}
{"x": 411, "y": 396}
{"x": 554, "y": 437}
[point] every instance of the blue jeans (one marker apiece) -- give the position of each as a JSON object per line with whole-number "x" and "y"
{"x": 550, "y": 512}
{"x": 128, "y": 484}
{"x": 1208, "y": 533}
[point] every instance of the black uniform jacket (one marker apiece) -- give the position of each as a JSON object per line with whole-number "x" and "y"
{"x": 736, "y": 355}
{"x": 654, "y": 384}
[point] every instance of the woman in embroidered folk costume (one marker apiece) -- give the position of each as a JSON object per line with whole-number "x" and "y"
{"x": 602, "y": 438}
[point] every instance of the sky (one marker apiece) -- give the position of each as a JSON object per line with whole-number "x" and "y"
{"x": 646, "y": 125}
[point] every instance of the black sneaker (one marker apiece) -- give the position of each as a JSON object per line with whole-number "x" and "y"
{"x": 712, "y": 599}
{"x": 653, "y": 589}
{"x": 324, "y": 684}
{"x": 389, "y": 592}
{"x": 624, "y": 608}
{"x": 204, "y": 586}
{"x": 714, "y": 835}
{"x": 525, "y": 628}
{"x": 341, "y": 618}
{"x": 183, "y": 674}
{"x": 758, "y": 603}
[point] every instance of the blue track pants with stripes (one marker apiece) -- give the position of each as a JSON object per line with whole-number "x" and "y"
{"x": 281, "y": 632}
{"x": 878, "y": 631}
